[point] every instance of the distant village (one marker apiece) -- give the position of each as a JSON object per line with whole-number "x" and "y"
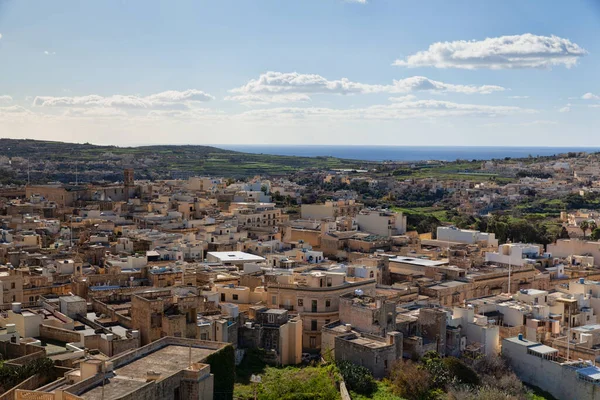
{"x": 146, "y": 288}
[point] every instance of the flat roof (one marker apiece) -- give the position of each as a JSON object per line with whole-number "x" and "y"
{"x": 448, "y": 284}
{"x": 522, "y": 342}
{"x": 543, "y": 349}
{"x": 418, "y": 261}
{"x": 165, "y": 361}
{"x": 587, "y": 328}
{"x": 591, "y": 372}
{"x": 532, "y": 292}
{"x": 225, "y": 256}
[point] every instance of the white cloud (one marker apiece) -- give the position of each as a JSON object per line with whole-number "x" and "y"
{"x": 406, "y": 108}
{"x": 14, "y": 110}
{"x": 590, "y": 96}
{"x": 539, "y": 122}
{"x": 564, "y": 109}
{"x": 400, "y": 99}
{"x": 356, "y": 1}
{"x": 504, "y": 52}
{"x": 271, "y": 87}
{"x": 5, "y": 99}
{"x": 518, "y": 97}
{"x": 0, "y": 36}
{"x": 594, "y": 106}
{"x": 95, "y": 112}
{"x": 261, "y": 99}
{"x": 49, "y": 53}
{"x": 168, "y": 100}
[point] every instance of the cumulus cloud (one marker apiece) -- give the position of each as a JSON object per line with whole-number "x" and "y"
{"x": 357, "y": 1}
{"x": 283, "y": 87}
{"x": 262, "y": 99}
{"x": 518, "y": 97}
{"x": 14, "y": 110}
{"x": 590, "y": 96}
{"x": 5, "y": 99}
{"x": 0, "y": 36}
{"x": 401, "y": 108}
{"x": 100, "y": 112}
{"x": 170, "y": 100}
{"x": 49, "y": 53}
{"x": 565, "y": 109}
{"x": 504, "y": 52}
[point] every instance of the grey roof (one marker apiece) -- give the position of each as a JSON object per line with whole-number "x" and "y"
{"x": 543, "y": 349}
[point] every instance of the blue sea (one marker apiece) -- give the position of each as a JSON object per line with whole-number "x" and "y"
{"x": 407, "y": 153}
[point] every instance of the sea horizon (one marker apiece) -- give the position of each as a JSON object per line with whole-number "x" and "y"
{"x": 405, "y": 153}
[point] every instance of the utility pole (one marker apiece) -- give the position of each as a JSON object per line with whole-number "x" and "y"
{"x": 509, "y": 265}
{"x": 568, "y": 333}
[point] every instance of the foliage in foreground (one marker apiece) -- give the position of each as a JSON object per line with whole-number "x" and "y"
{"x": 294, "y": 383}
{"x": 358, "y": 378}
{"x": 436, "y": 378}
{"x": 12, "y": 376}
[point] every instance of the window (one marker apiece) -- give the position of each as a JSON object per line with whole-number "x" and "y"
{"x": 155, "y": 321}
{"x": 312, "y": 342}
{"x": 327, "y": 303}
{"x": 271, "y": 318}
{"x": 300, "y": 303}
{"x": 235, "y": 296}
{"x": 274, "y": 300}
{"x": 203, "y": 336}
{"x": 32, "y": 299}
{"x": 313, "y": 325}
{"x": 222, "y": 296}
{"x": 314, "y": 306}
{"x": 372, "y": 274}
{"x": 12, "y": 285}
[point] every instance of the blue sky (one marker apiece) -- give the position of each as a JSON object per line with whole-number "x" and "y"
{"x": 301, "y": 72}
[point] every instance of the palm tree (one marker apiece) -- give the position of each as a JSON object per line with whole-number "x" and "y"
{"x": 584, "y": 226}
{"x": 593, "y": 226}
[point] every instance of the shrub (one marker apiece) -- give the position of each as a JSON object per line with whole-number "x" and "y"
{"x": 460, "y": 371}
{"x": 410, "y": 381}
{"x": 357, "y": 378}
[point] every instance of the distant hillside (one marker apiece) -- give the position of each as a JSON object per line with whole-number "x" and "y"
{"x": 58, "y": 161}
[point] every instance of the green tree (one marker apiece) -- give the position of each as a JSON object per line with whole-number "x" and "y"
{"x": 584, "y": 226}
{"x": 358, "y": 378}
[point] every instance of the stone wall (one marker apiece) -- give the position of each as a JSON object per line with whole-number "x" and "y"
{"x": 61, "y": 335}
{"x": 378, "y": 360}
{"x": 559, "y": 380}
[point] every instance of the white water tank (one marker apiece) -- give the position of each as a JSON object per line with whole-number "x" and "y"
{"x": 16, "y": 308}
